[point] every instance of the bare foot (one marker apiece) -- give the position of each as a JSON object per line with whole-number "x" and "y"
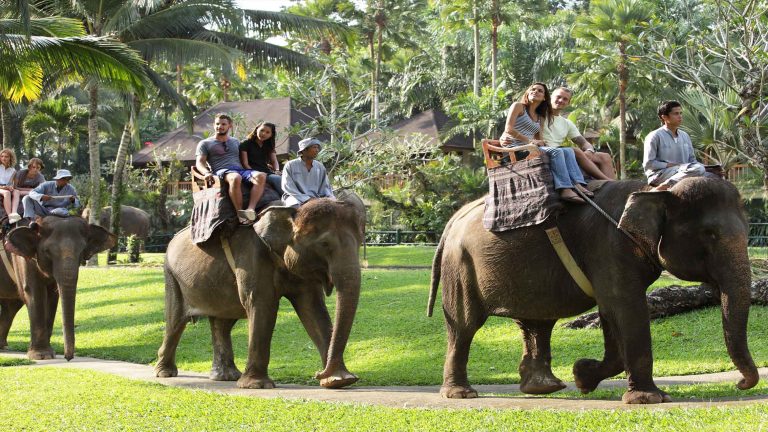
{"x": 569, "y": 196}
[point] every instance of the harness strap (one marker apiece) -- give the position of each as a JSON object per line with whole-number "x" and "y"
{"x": 567, "y": 259}
{"x": 7, "y": 263}
{"x": 228, "y": 253}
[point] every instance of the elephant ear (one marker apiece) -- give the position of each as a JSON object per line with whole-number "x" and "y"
{"x": 645, "y": 214}
{"x": 23, "y": 241}
{"x": 99, "y": 240}
{"x": 275, "y": 226}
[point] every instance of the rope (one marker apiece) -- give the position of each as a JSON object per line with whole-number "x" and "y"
{"x": 651, "y": 257}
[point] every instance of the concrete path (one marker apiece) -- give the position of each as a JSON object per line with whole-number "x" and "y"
{"x": 505, "y": 396}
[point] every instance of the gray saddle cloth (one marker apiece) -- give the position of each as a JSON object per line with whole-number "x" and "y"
{"x": 520, "y": 194}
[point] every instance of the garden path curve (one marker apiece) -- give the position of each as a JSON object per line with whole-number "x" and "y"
{"x": 505, "y": 396}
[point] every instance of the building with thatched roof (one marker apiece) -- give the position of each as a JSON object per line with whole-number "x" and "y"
{"x": 179, "y": 143}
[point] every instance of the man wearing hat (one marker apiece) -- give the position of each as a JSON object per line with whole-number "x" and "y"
{"x": 53, "y": 197}
{"x": 304, "y": 177}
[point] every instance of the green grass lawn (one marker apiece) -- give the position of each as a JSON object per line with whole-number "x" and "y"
{"x": 92, "y": 401}
{"x": 120, "y": 316}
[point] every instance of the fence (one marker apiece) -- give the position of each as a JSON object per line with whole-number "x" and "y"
{"x": 757, "y": 240}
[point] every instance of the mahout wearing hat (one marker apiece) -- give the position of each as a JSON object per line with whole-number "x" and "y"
{"x": 62, "y": 173}
{"x": 306, "y": 142}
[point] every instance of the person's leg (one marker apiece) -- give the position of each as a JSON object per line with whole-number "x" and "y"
{"x": 574, "y": 172}
{"x": 6, "y": 196}
{"x": 560, "y": 174}
{"x": 258, "y": 180}
{"x": 17, "y": 195}
{"x": 275, "y": 181}
{"x": 680, "y": 172}
{"x": 604, "y": 162}
{"x": 588, "y": 166}
{"x": 33, "y": 208}
{"x": 234, "y": 180}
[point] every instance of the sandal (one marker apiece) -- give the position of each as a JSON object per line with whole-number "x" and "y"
{"x": 586, "y": 191}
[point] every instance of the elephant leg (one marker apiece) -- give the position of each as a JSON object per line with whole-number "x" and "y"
{"x": 629, "y": 317}
{"x": 39, "y": 335}
{"x": 310, "y": 307}
{"x": 460, "y": 335}
{"x": 589, "y": 372}
{"x": 223, "y": 367}
{"x": 536, "y": 366}
{"x": 261, "y": 324}
{"x": 175, "y": 322}
{"x": 50, "y": 311}
{"x": 8, "y": 310}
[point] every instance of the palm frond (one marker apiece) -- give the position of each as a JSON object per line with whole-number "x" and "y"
{"x": 167, "y": 91}
{"x": 264, "y": 54}
{"x": 274, "y": 23}
{"x": 182, "y": 51}
{"x": 50, "y": 26}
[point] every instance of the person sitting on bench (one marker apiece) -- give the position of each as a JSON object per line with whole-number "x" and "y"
{"x": 523, "y": 126}
{"x": 222, "y": 153}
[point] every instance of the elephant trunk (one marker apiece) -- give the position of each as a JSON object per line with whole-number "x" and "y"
{"x": 735, "y": 300}
{"x": 67, "y": 284}
{"x": 347, "y": 282}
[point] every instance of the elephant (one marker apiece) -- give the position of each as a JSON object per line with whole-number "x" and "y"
{"x": 299, "y": 259}
{"x": 46, "y": 256}
{"x": 133, "y": 220}
{"x": 696, "y": 230}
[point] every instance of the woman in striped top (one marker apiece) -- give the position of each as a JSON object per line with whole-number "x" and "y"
{"x": 524, "y": 123}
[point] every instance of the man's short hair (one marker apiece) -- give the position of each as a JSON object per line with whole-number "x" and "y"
{"x": 565, "y": 89}
{"x": 666, "y": 107}
{"x": 220, "y": 116}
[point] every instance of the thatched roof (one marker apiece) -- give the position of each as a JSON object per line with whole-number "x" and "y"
{"x": 246, "y": 115}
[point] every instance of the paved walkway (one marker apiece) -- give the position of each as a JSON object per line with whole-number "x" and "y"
{"x": 507, "y": 396}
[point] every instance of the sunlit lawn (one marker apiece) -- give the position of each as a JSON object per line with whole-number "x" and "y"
{"x": 120, "y": 316}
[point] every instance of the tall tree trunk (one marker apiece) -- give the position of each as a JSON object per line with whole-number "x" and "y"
{"x": 6, "y": 121}
{"x": 116, "y": 197}
{"x": 373, "y": 76}
{"x": 94, "y": 159}
{"x": 623, "y": 81}
{"x": 377, "y": 68}
{"x": 178, "y": 78}
{"x": 495, "y": 22}
{"x": 476, "y": 40}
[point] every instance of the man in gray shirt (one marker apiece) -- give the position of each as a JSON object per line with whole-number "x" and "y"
{"x": 52, "y": 197}
{"x": 304, "y": 177}
{"x": 220, "y": 155}
{"x": 668, "y": 155}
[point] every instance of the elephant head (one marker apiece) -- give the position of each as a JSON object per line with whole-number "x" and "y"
{"x": 699, "y": 232}
{"x": 323, "y": 250}
{"x": 55, "y": 247}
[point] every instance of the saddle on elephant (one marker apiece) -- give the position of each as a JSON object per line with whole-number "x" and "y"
{"x": 213, "y": 209}
{"x": 521, "y": 190}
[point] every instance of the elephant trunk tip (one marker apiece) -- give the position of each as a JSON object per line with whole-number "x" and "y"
{"x": 748, "y": 381}
{"x": 69, "y": 356}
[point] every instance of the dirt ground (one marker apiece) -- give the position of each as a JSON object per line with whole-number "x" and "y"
{"x": 504, "y": 396}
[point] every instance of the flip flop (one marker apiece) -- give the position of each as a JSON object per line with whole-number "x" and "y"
{"x": 573, "y": 199}
{"x": 587, "y": 192}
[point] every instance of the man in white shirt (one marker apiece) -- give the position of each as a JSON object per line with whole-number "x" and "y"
{"x": 597, "y": 165}
{"x": 304, "y": 177}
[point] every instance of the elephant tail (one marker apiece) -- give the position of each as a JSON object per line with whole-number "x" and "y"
{"x": 436, "y": 264}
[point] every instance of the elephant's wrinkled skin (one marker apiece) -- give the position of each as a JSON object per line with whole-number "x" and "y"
{"x": 47, "y": 257}
{"x": 133, "y": 220}
{"x": 697, "y": 230}
{"x": 314, "y": 253}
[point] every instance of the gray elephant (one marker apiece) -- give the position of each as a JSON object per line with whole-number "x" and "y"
{"x": 46, "y": 256}
{"x": 133, "y": 220}
{"x": 696, "y": 231}
{"x": 298, "y": 259}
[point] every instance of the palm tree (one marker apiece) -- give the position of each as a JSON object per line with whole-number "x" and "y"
{"x": 59, "y": 120}
{"x": 604, "y": 38}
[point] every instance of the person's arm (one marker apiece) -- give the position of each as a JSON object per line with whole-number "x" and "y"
{"x": 325, "y": 187}
{"x": 201, "y": 163}
{"x": 290, "y": 187}
{"x": 691, "y": 152}
{"x": 509, "y": 128}
{"x": 244, "y": 160}
{"x": 38, "y": 193}
{"x": 650, "y": 150}
{"x": 274, "y": 164}
{"x": 583, "y": 144}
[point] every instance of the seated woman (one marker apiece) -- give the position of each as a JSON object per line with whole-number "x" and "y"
{"x": 524, "y": 123}
{"x": 7, "y": 170}
{"x": 23, "y": 182}
{"x": 257, "y": 152}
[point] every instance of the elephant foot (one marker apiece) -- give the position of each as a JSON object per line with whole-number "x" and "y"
{"x": 249, "y": 382}
{"x": 587, "y": 374}
{"x": 458, "y": 392}
{"x": 645, "y": 397}
{"x": 3, "y": 344}
{"x": 166, "y": 371}
{"x": 541, "y": 385}
{"x": 339, "y": 380}
{"x": 41, "y": 354}
{"x": 225, "y": 374}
